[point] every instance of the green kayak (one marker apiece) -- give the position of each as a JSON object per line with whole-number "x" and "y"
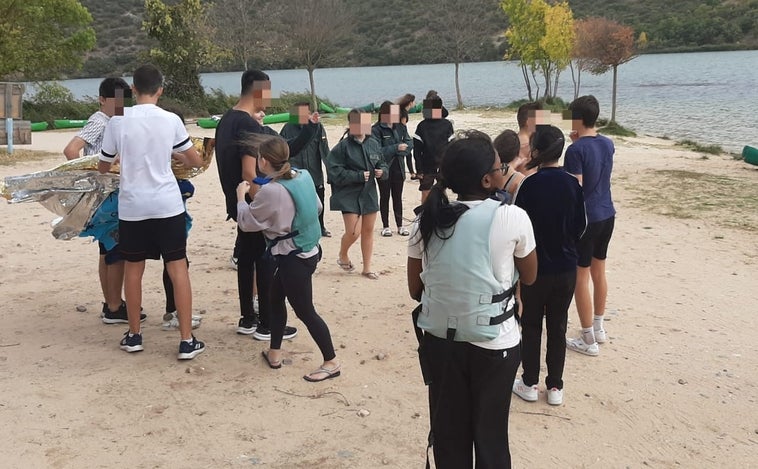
{"x": 750, "y": 155}
{"x": 69, "y": 123}
{"x": 39, "y": 126}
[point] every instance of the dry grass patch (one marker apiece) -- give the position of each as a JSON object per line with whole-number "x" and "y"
{"x": 726, "y": 201}
{"x": 19, "y": 156}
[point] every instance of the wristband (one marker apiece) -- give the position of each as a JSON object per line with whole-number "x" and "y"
{"x": 261, "y": 181}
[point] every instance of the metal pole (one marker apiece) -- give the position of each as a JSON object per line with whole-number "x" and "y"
{"x": 9, "y": 133}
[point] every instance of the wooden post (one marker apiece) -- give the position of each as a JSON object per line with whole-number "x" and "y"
{"x": 11, "y": 95}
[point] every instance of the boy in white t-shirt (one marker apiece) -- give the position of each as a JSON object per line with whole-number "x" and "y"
{"x": 151, "y": 210}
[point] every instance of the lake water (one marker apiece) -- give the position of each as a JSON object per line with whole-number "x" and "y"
{"x": 708, "y": 97}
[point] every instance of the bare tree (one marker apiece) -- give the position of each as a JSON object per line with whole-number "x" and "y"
{"x": 605, "y": 44}
{"x": 461, "y": 32}
{"x": 315, "y": 29}
{"x": 240, "y": 28}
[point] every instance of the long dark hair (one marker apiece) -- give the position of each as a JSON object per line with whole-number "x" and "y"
{"x": 547, "y": 145}
{"x": 465, "y": 161}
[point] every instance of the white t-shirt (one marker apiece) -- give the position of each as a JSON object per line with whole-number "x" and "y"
{"x": 144, "y": 140}
{"x": 511, "y": 235}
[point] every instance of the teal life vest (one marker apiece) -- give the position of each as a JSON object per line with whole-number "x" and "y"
{"x": 462, "y": 300}
{"x": 305, "y": 229}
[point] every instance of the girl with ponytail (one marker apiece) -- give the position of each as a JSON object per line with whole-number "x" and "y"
{"x": 461, "y": 251}
{"x": 554, "y": 202}
{"x": 285, "y": 208}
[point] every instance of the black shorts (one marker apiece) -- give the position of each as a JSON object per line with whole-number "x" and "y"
{"x": 594, "y": 243}
{"x": 427, "y": 181}
{"x": 153, "y": 238}
{"x": 111, "y": 257}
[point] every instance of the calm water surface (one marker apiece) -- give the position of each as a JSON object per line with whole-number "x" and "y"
{"x": 709, "y": 97}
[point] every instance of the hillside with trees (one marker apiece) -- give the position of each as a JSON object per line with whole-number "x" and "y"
{"x": 396, "y": 32}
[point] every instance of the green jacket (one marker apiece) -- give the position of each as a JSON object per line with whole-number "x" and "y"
{"x": 345, "y": 166}
{"x": 389, "y": 138}
{"x": 313, "y": 153}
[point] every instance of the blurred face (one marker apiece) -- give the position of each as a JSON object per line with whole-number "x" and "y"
{"x": 393, "y": 117}
{"x": 114, "y": 106}
{"x": 359, "y": 124}
{"x": 261, "y": 95}
{"x": 299, "y": 115}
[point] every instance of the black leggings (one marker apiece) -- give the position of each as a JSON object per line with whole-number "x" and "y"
{"x": 250, "y": 248}
{"x": 469, "y": 403}
{"x": 293, "y": 281}
{"x": 391, "y": 187}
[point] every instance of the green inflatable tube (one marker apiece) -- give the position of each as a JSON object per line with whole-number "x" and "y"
{"x": 417, "y": 108}
{"x": 69, "y": 123}
{"x": 208, "y": 123}
{"x": 39, "y": 126}
{"x": 750, "y": 155}
{"x": 277, "y": 118}
{"x": 323, "y": 107}
{"x": 342, "y": 110}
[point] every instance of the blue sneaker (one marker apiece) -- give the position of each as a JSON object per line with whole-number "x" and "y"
{"x": 189, "y": 350}
{"x": 131, "y": 343}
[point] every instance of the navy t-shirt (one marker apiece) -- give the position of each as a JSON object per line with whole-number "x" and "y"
{"x": 592, "y": 157}
{"x": 553, "y": 200}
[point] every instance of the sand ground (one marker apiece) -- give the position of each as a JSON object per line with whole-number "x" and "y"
{"x": 675, "y": 386}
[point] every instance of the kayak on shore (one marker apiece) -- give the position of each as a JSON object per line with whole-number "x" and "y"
{"x": 69, "y": 123}
{"x": 750, "y": 155}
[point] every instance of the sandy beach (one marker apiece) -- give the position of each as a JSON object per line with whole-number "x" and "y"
{"x": 676, "y": 385}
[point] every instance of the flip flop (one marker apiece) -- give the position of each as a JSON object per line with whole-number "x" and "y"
{"x": 346, "y": 266}
{"x": 333, "y": 373}
{"x": 272, "y": 365}
{"x": 370, "y": 275}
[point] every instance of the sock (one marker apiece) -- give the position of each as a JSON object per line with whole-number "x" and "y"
{"x": 597, "y": 323}
{"x": 588, "y": 335}
{"x": 189, "y": 341}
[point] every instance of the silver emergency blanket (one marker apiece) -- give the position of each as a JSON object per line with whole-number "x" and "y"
{"x": 75, "y": 189}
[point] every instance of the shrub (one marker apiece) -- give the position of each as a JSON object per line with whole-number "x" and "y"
{"x": 614, "y": 128}
{"x": 695, "y": 146}
{"x": 54, "y": 101}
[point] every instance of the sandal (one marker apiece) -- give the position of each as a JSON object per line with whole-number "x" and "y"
{"x": 371, "y": 275}
{"x": 403, "y": 231}
{"x": 386, "y": 232}
{"x": 346, "y": 266}
{"x": 273, "y": 365}
{"x": 333, "y": 373}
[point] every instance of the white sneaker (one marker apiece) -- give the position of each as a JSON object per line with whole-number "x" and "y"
{"x": 527, "y": 393}
{"x": 555, "y": 396}
{"x": 233, "y": 261}
{"x": 171, "y": 322}
{"x": 600, "y": 336}
{"x": 578, "y": 345}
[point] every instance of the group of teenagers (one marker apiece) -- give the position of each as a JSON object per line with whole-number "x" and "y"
{"x": 522, "y": 237}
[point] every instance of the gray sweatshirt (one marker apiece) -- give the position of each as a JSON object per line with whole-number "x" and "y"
{"x": 272, "y": 211}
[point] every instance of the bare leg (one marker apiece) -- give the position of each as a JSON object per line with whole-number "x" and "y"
{"x": 114, "y": 283}
{"x": 133, "y": 272}
{"x": 424, "y": 195}
{"x": 582, "y": 296}
{"x": 599, "y": 285}
{"x": 102, "y": 273}
{"x": 367, "y": 240}
{"x": 352, "y": 232}
{"x": 179, "y": 274}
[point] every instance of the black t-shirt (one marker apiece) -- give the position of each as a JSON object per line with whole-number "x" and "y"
{"x": 234, "y": 125}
